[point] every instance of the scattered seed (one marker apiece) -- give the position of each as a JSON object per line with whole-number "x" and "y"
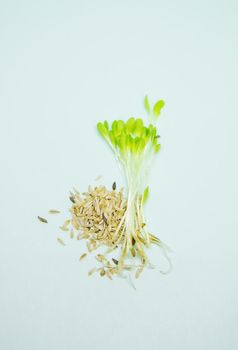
{"x": 66, "y": 223}
{"x": 115, "y": 261}
{"x": 63, "y": 228}
{"x": 114, "y": 186}
{"x": 54, "y": 211}
{"x": 42, "y": 219}
{"x": 83, "y": 256}
{"x": 92, "y": 271}
{"x": 72, "y": 199}
{"x": 60, "y": 241}
{"x": 133, "y": 241}
{"x": 102, "y": 272}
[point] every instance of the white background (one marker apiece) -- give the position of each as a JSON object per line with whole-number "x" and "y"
{"x": 64, "y": 66}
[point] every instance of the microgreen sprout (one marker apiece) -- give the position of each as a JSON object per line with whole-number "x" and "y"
{"x": 135, "y": 146}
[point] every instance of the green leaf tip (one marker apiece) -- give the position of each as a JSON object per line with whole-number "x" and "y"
{"x": 157, "y": 107}
{"x": 147, "y": 104}
{"x": 145, "y": 195}
{"x": 102, "y": 129}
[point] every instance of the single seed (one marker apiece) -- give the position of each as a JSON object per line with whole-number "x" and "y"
{"x": 72, "y": 199}
{"x": 83, "y": 256}
{"x": 133, "y": 241}
{"x": 92, "y": 271}
{"x": 66, "y": 223}
{"x": 54, "y": 211}
{"x": 115, "y": 261}
{"x": 60, "y": 241}
{"x": 114, "y": 186}
{"x": 63, "y": 228}
{"x": 104, "y": 218}
{"x": 102, "y": 272}
{"x": 133, "y": 253}
{"x": 157, "y": 136}
{"x": 42, "y": 219}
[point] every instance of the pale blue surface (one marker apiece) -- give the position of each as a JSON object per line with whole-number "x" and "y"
{"x": 64, "y": 66}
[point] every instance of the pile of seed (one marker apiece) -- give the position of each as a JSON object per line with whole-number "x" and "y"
{"x": 96, "y": 214}
{"x": 97, "y": 217}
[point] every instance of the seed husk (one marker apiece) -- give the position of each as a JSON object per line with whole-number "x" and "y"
{"x": 138, "y": 272}
{"x": 83, "y": 256}
{"x": 102, "y": 272}
{"x": 42, "y": 219}
{"x": 54, "y": 211}
{"x": 133, "y": 253}
{"x": 72, "y": 199}
{"x": 60, "y": 241}
{"x": 63, "y": 228}
{"x": 108, "y": 274}
{"x": 104, "y": 218}
{"x": 90, "y": 272}
{"x": 115, "y": 261}
{"x": 98, "y": 178}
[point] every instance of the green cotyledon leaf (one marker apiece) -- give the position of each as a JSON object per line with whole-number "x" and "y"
{"x": 157, "y": 107}
{"x": 102, "y": 129}
{"x": 145, "y": 195}
{"x": 147, "y": 104}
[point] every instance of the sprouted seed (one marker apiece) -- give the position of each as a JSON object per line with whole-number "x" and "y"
{"x": 42, "y": 219}
{"x": 113, "y": 220}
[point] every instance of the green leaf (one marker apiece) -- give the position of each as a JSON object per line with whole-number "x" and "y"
{"x": 157, "y": 147}
{"x": 112, "y": 138}
{"x": 114, "y": 126}
{"x": 102, "y": 129}
{"x": 106, "y": 124}
{"x": 120, "y": 125}
{"x": 145, "y": 195}
{"x": 129, "y": 142}
{"x": 147, "y": 104}
{"x": 157, "y": 107}
{"x": 152, "y": 131}
{"x": 130, "y": 124}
